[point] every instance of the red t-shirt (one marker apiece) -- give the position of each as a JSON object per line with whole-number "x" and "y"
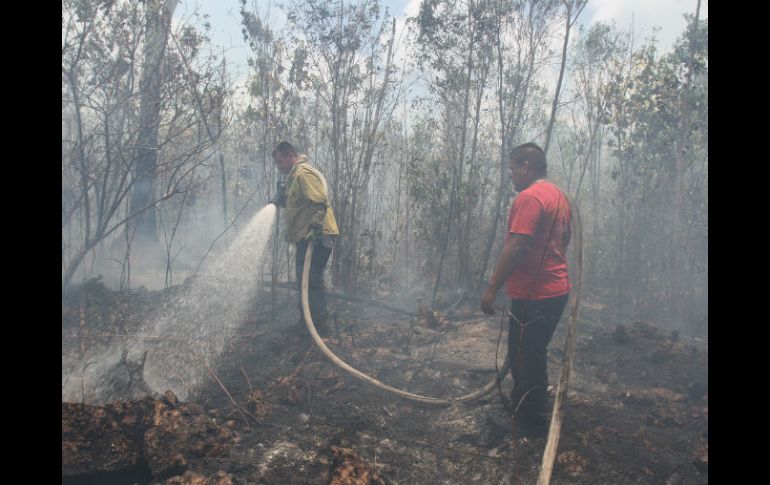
{"x": 541, "y": 211}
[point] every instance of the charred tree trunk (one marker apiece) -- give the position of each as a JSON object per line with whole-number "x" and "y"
{"x": 157, "y": 25}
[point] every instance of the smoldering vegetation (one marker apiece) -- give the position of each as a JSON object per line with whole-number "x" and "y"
{"x": 166, "y": 164}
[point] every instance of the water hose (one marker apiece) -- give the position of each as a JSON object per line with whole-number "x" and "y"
{"x": 553, "y": 436}
{"x": 478, "y": 394}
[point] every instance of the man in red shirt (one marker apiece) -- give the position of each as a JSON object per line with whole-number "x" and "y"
{"x": 533, "y": 265}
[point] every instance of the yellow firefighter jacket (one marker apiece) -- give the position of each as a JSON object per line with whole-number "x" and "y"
{"x": 307, "y": 202}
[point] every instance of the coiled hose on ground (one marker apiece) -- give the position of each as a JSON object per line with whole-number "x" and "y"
{"x": 489, "y": 387}
{"x": 561, "y": 392}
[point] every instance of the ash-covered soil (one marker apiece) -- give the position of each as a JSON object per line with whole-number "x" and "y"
{"x": 276, "y": 411}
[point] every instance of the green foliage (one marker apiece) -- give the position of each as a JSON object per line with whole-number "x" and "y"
{"x": 660, "y": 143}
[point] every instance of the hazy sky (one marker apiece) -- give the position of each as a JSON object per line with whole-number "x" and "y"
{"x": 646, "y": 14}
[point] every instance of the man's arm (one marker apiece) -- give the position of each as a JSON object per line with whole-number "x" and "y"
{"x": 514, "y": 250}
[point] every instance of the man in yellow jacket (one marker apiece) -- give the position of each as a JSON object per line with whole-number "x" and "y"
{"x": 309, "y": 219}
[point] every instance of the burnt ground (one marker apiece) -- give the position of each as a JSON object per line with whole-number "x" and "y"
{"x": 637, "y": 409}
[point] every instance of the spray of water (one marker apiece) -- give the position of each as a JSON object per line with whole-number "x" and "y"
{"x": 185, "y": 338}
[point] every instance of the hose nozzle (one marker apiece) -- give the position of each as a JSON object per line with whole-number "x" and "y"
{"x": 280, "y": 194}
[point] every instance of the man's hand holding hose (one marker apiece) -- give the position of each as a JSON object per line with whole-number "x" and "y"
{"x": 315, "y": 231}
{"x": 279, "y": 199}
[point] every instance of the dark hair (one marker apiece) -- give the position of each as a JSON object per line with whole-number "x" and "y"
{"x": 284, "y": 148}
{"x": 534, "y": 154}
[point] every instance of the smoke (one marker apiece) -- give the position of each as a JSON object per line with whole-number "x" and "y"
{"x": 183, "y": 340}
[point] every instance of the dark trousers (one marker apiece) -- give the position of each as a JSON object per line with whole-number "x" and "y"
{"x": 316, "y": 293}
{"x": 530, "y": 330}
